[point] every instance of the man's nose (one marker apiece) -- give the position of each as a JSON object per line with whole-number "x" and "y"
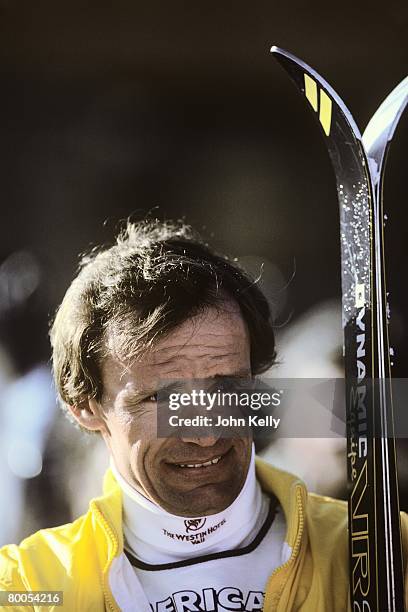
{"x": 203, "y": 441}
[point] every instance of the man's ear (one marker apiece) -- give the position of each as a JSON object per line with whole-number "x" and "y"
{"x": 89, "y": 415}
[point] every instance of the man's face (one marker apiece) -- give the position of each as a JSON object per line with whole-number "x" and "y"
{"x": 213, "y": 344}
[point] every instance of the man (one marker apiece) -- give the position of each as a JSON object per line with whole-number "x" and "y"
{"x": 185, "y": 523}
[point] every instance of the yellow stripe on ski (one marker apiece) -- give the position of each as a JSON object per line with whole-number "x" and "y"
{"x": 325, "y": 111}
{"x": 311, "y": 91}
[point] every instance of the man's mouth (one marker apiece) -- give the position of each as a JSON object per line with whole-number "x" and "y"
{"x": 200, "y": 465}
{"x": 194, "y": 463}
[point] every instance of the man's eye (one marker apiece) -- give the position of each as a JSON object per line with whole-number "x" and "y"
{"x": 151, "y": 398}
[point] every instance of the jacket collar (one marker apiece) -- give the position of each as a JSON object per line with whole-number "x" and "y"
{"x": 292, "y": 496}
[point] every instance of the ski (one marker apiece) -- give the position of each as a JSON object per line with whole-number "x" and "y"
{"x": 375, "y": 551}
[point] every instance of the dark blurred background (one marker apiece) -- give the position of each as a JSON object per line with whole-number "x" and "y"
{"x": 116, "y": 109}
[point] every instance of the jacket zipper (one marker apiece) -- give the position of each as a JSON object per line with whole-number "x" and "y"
{"x": 113, "y": 537}
{"x": 296, "y": 546}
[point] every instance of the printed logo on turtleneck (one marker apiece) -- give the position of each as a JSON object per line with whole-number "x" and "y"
{"x": 211, "y": 600}
{"x": 194, "y": 525}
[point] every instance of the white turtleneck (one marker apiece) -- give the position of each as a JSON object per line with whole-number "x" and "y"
{"x": 208, "y": 564}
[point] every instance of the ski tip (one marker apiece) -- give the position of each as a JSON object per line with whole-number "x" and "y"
{"x": 277, "y": 50}
{"x": 383, "y": 123}
{"x": 297, "y": 70}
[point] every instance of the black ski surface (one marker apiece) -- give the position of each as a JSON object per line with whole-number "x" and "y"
{"x": 375, "y": 552}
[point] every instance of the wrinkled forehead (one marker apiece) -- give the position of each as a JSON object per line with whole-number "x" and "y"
{"x": 211, "y": 343}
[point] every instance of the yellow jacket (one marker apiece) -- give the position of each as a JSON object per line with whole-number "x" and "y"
{"x": 77, "y": 558}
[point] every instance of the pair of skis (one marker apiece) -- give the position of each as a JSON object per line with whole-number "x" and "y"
{"x": 375, "y": 550}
